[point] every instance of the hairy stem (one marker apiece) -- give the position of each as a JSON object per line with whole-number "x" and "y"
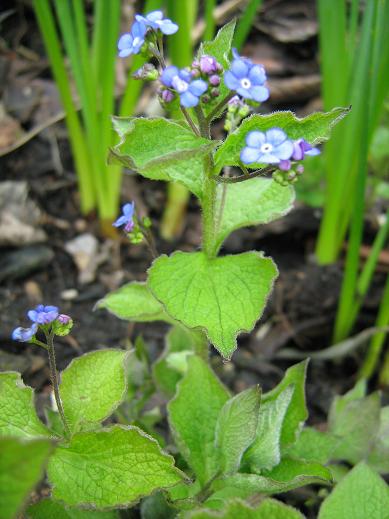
{"x": 219, "y": 107}
{"x": 54, "y": 381}
{"x": 244, "y": 177}
{"x": 190, "y": 121}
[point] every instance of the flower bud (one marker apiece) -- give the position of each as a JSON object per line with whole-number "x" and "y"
{"x": 214, "y": 80}
{"x": 62, "y": 325}
{"x": 167, "y": 96}
{"x": 205, "y": 98}
{"x": 215, "y": 92}
{"x": 148, "y": 72}
{"x": 208, "y": 65}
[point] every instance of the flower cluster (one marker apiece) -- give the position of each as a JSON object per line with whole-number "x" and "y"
{"x": 133, "y": 41}
{"x": 274, "y": 147}
{"x": 208, "y": 69}
{"x": 45, "y": 317}
{"x": 247, "y": 79}
{"x": 182, "y": 83}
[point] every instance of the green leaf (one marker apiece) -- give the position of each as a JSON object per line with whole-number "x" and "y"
{"x": 93, "y": 386}
{"x": 162, "y": 150}
{"x": 315, "y": 129}
{"x": 49, "y": 509}
{"x": 265, "y": 452}
{"x": 22, "y": 465}
{"x": 133, "y": 302}
{"x": 264, "y": 201}
{"x": 17, "y": 412}
{"x": 268, "y": 509}
{"x": 379, "y": 456}
{"x": 220, "y": 48}
{"x": 313, "y": 445}
{"x": 222, "y": 296}
{"x": 355, "y": 424}
{"x": 245, "y": 486}
{"x": 193, "y": 415}
{"x": 236, "y": 427}
{"x": 178, "y": 340}
{"x": 362, "y": 494}
{"x": 157, "y": 507}
{"x": 110, "y": 468}
{"x": 290, "y": 469}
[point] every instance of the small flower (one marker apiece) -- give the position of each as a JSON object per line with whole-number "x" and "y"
{"x": 127, "y": 218}
{"x": 181, "y": 81}
{"x": 43, "y": 314}
{"x": 156, "y": 21}
{"x": 247, "y": 79}
{"x": 62, "y": 325}
{"x": 24, "y": 334}
{"x": 301, "y": 148}
{"x": 208, "y": 65}
{"x": 214, "y": 80}
{"x": 267, "y": 147}
{"x": 63, "y": 318}
{"x": 131, "y": 42}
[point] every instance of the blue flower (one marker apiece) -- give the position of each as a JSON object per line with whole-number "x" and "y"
{"x": 181, "y": 81}
{"x": 127, "y": 218}
{"x": 24, "y": 334}
{"x": 131, "y": 42}
{"x": 247, "y": 79}
{"x": 156, "y": 21}
{"x": 43, "y": 314}
{"x": 269, "y": 147}
{"x": 301, "y": 148}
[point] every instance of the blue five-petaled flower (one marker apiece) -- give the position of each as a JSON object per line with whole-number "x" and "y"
{"x": 127, "y": 218}
{"x": 270, "y": 147}
{"x": 181, "y": 81}
{"x": 131, "y": 42}
{"x": 247, "y": 79}
{"x": 43, "y": 314}
{"x": 24, "y": 334}
{"x": 156, "y": 21}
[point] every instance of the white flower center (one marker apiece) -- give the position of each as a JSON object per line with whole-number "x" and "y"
{"x": 136, "y": 41}
{"x": 266, "y": 148}
{"x": 179, "y": 84}
{"x": 245, "y": 83}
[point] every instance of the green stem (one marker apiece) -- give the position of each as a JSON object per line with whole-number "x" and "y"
{"x": 215, "y": 112}
{"x": 54, "y": 381}
{"x": 209, "y": 206}
{"x": 190, "y": 121}
{"x": 203, "y": 122}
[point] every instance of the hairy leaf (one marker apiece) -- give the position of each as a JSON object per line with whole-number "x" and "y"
{"x": 162, "y": 150}
{"x": 22, "y": 465}
{"x": 290, "y": 468}
{"x": 313, "y": 445}
{"x": 361, "y": 494}
{"x": 262, "y": 200}
{"x": 110, "y": 468}
{"x": 268, "y": 509}
{"x": 17, "y": 412}
{"x": 93, "y": 386}
{"x": 379, "y": 456}
{"x": 133, "y": 302}
{"x": 193, "y": 415}
{"x": 222, "y": 296}
{"x": 314, "y": 128}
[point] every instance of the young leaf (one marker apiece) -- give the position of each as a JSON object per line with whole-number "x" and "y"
{"x": 236, "y": 427}
{"x": 93, "y": 386}
{"x": 162, "y": 150}
{"x": 110, "y": 468}
{"x": 313, "y": 445}
{"x": 193, "y": 415}
{"x": 362, "y": 494}
{"x": 223, "y": 296}
{"x": 268, "y": 509}
{"x": 22, "y": 465}
{"x": 264, "y": 201}
{"x": 49, "y": 509}
{"x": 289, "y": 469}
{"x": 178, "y": 340}
{"x": 17, "y": 412}
{"x": 355, "y": 424}
{"x": 315, "y": 129}
{"x": 265, "y": 452}
{"x": 379, "y": 456}
{"x": 133, "y": 302}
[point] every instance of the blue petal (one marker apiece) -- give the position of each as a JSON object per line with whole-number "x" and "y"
{"x": 231, "y": 81}
{"x": 168, "y": 27}
{"x": 255, "y": 139}
{"x": 285, "y": 150}
{"x": 276, "y": 136}
{"x": 268, "y": 158}
{"x": 120, "y": 221}
{"x": 138, "y": 30}
{"x": 51, "y": 308}
{"x": 259, "y": 93}
{"x": 198, "y": 87}
{"x": 154, "y": 16}
{"x": 257, "y": 75}
{"x": 168, "y": 75}
{"x": 249, "y": 155}
{"x": 125, "y": 41}
{"x": 126, "y": 52}
{"x": 188, "y": 100}
{"x": 185, "y": 75}
{"x": 239, "y": 68}
{"x": 244, "y": 92}
{"x": 32, "y": 315}
{"x": 313, "y": 152}
{"x": 128, "y": 209}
